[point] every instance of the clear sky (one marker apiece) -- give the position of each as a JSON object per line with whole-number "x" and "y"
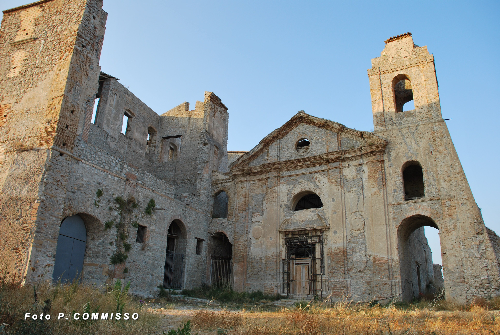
{"x": 268, "y": 59}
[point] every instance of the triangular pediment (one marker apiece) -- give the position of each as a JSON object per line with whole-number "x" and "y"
{"x": 308, "y": 138}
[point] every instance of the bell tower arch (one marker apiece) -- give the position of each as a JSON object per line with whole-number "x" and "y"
{"x": 404, "y": 72}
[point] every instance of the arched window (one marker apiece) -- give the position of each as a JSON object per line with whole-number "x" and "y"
{"x": 308, "y": 201}
{"x": 220, "y": 205}
{"x": 413, "y": 181}
{"x": 403, "y": 93}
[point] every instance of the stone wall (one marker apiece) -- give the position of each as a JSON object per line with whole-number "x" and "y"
{"x": 56, "y": 163}
{"x": 44, "y": 101}
{"x": 369, "y": 193}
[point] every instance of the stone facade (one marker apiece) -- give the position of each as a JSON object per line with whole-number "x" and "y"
{"x": 315, "y": 208}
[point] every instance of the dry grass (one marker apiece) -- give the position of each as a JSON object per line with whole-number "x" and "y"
{"x": 157, "y": 317}
{"x": 346, "y": 319}
{"x": 70, "y": 299}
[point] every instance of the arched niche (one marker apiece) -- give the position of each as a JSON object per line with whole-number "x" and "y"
{"x": 413, "y": 180}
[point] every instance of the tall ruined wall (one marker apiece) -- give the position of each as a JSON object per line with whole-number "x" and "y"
{"x": 57, "y": 163}
{"x": 45, "y": 98}
{"x": 200, "y": 138}
{"x": 420, "y": 137}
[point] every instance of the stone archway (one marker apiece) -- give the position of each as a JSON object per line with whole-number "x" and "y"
{"x": 419, "y": 276}
{"x": 173, "y": 276}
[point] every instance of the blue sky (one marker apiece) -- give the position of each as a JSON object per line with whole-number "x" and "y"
{"x": 269, "y": 59}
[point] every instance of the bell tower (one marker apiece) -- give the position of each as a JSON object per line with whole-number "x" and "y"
{"x": 404, "y": 72}
{"x": 425, "y": 182}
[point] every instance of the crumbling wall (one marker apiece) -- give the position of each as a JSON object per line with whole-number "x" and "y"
{"x": 420, "y": 136}
{"x": 269, "y": 181}
{"x": 44, "y": 101}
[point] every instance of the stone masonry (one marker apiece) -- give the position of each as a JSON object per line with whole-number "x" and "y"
{"x": 315, "y": 209}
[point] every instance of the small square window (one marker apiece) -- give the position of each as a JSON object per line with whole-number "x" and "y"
{"x": 141, "y": 234}
{"x": 199, "y": 245}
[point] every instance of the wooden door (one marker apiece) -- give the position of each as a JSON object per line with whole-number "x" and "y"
{"x": 70, "y": 250}
{"x": 301, "y": 278}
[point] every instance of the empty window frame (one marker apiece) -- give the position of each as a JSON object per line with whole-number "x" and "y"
{"x": 141, "y": 234}
{"x": 94, "y": 110}
{"x": 302, "y": 145}
{"x": 199, "y": 245}
{"x": 413, "y": 181}
{"x": 308, "y": 201}
{"x": 403, "y": 93}
{"x": 151, "y": 139}
{"x": 220, "y": 205}
{"x": 126, "y": 122}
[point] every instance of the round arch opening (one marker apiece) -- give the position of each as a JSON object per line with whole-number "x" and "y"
{"x": 173, "y": 275}
{"x": 403, "y": 92}
{"x": 75, "y": 244}
{"x": 420, "y": 277}
{"x": 306, "y": 200}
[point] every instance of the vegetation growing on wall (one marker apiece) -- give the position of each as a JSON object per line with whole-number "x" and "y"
{"x": 126, "y": 218}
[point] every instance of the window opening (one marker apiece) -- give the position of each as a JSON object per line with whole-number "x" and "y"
{"x": 403, "y": 92}
{"x": 126, "y": 122}
{"x": 94, "y": 109}
{"x": 413, "y": 181}
{"x": 220, "y": 205}
{"x": 141, "y": 234}
{"x": 151, "y": 136}
{"x": 199, "y": 245}
{"x": 151, "y": 140}
{"x": 308, "y": 201}
{"x": 302, "y": 145}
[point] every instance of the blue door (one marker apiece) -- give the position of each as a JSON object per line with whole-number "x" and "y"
{"x": 70, "y": 249}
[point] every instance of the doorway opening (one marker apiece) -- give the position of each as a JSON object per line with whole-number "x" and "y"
{"x": 420, "y": 277}
{"x": 221, "y": 255}
{"x": 173, "y": 277}
{"x": 303, "y": 265}
{"x": 70, "y": 251}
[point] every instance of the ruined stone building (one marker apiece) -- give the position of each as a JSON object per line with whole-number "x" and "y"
{"x": 315, "y": 209}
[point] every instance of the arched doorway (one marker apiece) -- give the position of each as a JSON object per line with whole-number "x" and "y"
{"x": 221, "y": 255}
{"x": 173, "y": 276}
{"x": 70, "y": 250}
{"x": 419, "y": 276}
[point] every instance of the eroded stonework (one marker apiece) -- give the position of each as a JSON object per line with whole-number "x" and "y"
{"x": 315, "y": 209}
